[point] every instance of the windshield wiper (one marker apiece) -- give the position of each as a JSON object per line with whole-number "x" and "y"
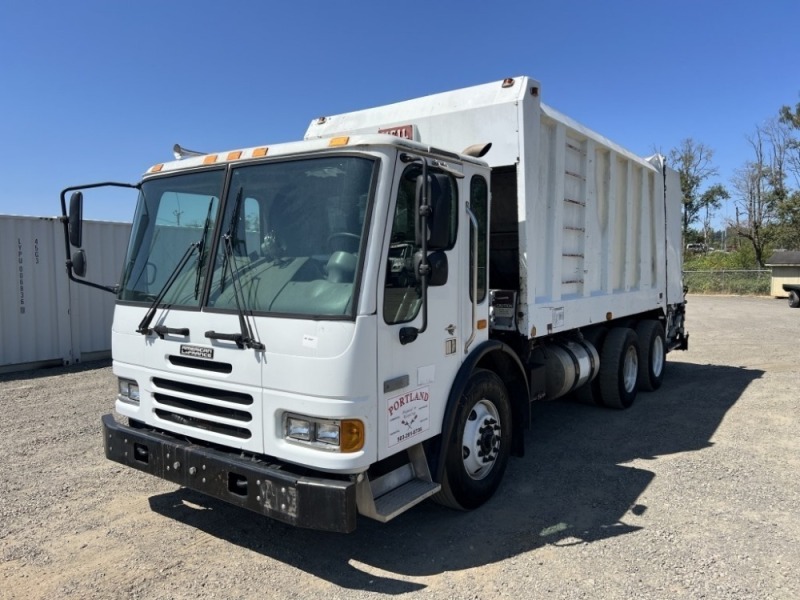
{"x": 231, "y": 232}
{"x": 245, "y": 336}
{"x": 162, "y": 330}
{"x": 201, "y": 249}
{"x": 151, "y": 312}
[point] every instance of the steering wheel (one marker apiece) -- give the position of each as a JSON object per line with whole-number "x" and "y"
{"x": 351, "y": 243}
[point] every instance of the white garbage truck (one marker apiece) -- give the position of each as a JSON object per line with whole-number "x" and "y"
{"x": 355, "y": 322}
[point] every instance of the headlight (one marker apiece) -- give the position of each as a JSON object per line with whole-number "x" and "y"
{"x": 345, "y": 435}
{"x": 128, "y": 391}
{"x": 328, "y": 433}
{"x": 299, "y": 429}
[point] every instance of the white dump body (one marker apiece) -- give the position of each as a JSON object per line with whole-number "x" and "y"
{"x": 597, "y": 227}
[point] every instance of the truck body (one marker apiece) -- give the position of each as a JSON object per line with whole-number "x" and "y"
{"x": 355, "y": 322}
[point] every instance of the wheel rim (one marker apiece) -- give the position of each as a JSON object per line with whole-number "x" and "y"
{"x": 481, "y": 439}
{"x": 657, "y": 356}
{"x": 630, "y": 369}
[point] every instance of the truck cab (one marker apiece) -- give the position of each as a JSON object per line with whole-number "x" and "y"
{"x": 291, "y": 304}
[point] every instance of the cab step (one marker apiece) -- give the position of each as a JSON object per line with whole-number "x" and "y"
{"x": 395, "y": 492}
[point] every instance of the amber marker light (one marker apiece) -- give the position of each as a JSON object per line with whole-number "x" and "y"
{"x": 339, "y": 141}
{"x": 260, "y": 152}
{"x": 482, "y": 324}
{"x": 156, "y": 168}
{"x": 210, "y": 159}
{"x": 234, "y": 155}
{"x": 352, "y": 435}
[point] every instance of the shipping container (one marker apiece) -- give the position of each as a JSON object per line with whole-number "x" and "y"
{"x": 46, "y": 320}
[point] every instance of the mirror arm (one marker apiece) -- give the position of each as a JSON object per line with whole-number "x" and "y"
{"x": 65, "y": 222}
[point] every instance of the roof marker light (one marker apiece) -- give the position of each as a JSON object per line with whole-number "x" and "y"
{"x": 339, "y": 141}
{"x": 260, "y": 152}
{"x": 210, "y": 159}
{"x": 234, "y": 155}
{"x": 156, "y": 168}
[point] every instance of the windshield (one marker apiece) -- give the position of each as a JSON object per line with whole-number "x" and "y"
{"x": 296, "y": 231}
{"x": 292, "y": 235}
{"x": 173, "y": 213}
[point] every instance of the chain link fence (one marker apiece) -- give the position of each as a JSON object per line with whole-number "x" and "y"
{"x": 754, "y": 282}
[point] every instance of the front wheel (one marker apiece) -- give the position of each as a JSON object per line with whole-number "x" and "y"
{"x": 794, "y": 299}
{"x": 477, "y": 452}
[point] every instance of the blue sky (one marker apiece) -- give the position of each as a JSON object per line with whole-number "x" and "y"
{"x": 96, "y": 91}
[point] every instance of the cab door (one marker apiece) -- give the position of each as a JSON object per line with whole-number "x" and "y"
{"x": 416, "y": 368}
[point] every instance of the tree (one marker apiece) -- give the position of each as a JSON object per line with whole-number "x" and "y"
{"x": 788, "y": 209}
{"x": 788, "y": 226}
{"x": 791, "y": 119}
{"x": 711, "y": 199}
{"x": 692, "y": 160}
{"x": 761, "y": 191}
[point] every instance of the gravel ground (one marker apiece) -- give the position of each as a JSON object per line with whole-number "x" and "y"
{"x": 692, "y": 493}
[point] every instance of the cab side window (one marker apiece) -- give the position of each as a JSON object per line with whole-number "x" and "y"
{"x": 479, "y": 203}
{"x": 403, "y": 291}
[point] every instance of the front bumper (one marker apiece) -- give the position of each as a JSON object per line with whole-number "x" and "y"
{"x": 312, "y": 502}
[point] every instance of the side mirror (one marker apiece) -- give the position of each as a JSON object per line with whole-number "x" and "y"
{"x": 79, "y": 263}
{"x": 76, "y": 220}
{"x": 440, "y": 202}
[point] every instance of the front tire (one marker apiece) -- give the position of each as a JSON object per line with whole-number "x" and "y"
{"x": 477, "y": 452}
{"x": 794, "y": 299}
{"x": 652, "y": 354}
{"x": 619, "y": 368}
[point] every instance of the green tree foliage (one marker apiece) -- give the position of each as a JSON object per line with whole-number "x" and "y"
{"x": 692, "y": 160}
{"x": 791, "y": 117}
{"x": 787, "y": 226}
{"x": 789, "y": 211}
{"x": 741, "y": 259}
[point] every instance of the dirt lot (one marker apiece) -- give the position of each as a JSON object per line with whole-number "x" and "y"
{"x": 692, "y": 493}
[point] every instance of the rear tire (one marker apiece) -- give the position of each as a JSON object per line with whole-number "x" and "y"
{"x": 619, "y": 368}
{"x": 477, "y": 452}
{"x": 652, "y": 354}
{"x": 794, "y": 299}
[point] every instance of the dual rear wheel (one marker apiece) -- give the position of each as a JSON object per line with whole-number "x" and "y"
{"x": 630, "y": 360}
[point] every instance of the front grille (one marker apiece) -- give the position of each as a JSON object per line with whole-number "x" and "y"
{"x": 203, "y": 408}
{"x": 201, "y": 390}
{"x": 237, "y": 432}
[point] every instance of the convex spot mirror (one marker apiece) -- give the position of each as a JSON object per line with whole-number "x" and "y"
{"x": 437, "y": 262}
{"x": 79, "y": 263}
{"x": 440, "y": 201}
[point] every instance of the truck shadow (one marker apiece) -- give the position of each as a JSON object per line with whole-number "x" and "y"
{"x": 572, "y": 487}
